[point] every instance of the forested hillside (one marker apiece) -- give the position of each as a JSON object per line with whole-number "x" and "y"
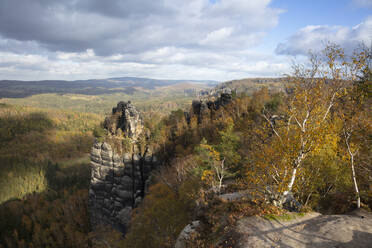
{"x": 127, "y": 85}
{"x": 44, "y": 176}
{"x": 304, "y": 147}
{"x": 99, "y": 95}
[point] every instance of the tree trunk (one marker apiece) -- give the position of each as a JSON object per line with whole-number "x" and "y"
{"x": 353, "y": 169}
{"x": 355, "y": 182}
{"x": 297, "y": 164}
{"x": 290, "y": 185}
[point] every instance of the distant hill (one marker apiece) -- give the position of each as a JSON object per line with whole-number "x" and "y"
{"x": 126, "y": 85}
{"x": 249, "y": 85}
{"x": 99, "y": 95}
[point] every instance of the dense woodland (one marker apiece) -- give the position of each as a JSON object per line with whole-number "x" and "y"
{"x": 44, "y": 176}
{"x": 312, "y": 140}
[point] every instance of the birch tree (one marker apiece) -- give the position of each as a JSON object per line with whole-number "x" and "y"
{"x": 303, "y": 127}
{"x": 354, "y": 111}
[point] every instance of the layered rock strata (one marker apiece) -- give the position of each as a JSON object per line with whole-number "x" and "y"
{"x": 119, "y": 176}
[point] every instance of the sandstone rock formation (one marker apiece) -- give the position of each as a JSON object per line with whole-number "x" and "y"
{"x": 125, "y": 118}
{"x": 209, "y": 101}
{"x": 119, "y": 174}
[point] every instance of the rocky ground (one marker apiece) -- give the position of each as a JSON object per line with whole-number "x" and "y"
{"x": 311, "y": 230}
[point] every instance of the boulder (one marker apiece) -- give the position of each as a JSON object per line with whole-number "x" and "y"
{"x": 124, "y": 216}
{"x": 124, "y": 194}
{"x": 186, "y": 234}
{"x": 235, "y": 196}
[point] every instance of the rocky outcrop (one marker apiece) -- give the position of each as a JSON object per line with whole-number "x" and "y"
{"x": 306, "y": 230}
{"x": 119, "y": 175}
{"x": 187, "y": 234}
{"x": 210, "y": 101}
{"x": 125, "y": 118}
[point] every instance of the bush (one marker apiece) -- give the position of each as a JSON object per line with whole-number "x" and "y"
{"x": 99, "y": 132}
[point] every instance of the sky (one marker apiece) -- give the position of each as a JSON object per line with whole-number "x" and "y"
{"x": 172, "y": 39}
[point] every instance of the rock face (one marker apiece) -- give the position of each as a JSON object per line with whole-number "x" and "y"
{"x": 209, "y": 101}
{"x": 119, "y": 176}
{"x": 125, "y": 118}
{"x": 186, "y": 234}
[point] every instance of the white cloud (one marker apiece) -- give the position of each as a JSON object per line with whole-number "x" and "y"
{"x": 127, "y": 26}
{"x": 217, "y": 36}
{"x": 75, "y": 39}
{"x": 164, "y": 63}
{"x": 315, "y": 37}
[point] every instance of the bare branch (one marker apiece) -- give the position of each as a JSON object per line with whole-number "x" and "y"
{"x": 330, "y": 105}
{"x": 272, "y": 126}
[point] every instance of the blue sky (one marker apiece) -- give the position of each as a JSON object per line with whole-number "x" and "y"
{"x": 301, "y": 13}
{"x": 171, "y": 39}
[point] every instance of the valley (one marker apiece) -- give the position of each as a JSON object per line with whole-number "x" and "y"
{"x": 185, "y": 164}
{"x": 185, "y": 124}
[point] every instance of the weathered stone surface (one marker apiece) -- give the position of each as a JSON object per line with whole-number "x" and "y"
{"x": 126, "y": 182}
{"x": 124, "y": 216}
{"x": 116, "y": 158}
{"x": 108, "y": 163}
{"x": 127, "y": 158}
{"x": 106, "y": 147}
{"x": 119, "y": 172}
{"x": 128, "y": 169}
{"x": 209, "y": 101}
{"x": 124, "y": 194}
{"x": 96, "y": 159}
{"x": 186, "y": 233}
{"x": 148, "y": 159}
{"x": 117, "y": 179}
{"x": 95, "y": 152}
{"x": 137, "y": 201}
{"x": 309, "y": 230}
{"x": 126, "y": 118}
{"x": 117, "y": 204}
{"x": 97, "y": 145}
{"x": 108, "y": 188}
{"x": 236, "y": 196}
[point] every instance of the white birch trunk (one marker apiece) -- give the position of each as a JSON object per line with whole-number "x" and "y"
{"x": 297, "y": 164}
{"x": 290, "y": 185}
{"x": 353, "y": 169}
{"x": 355, "y": 182}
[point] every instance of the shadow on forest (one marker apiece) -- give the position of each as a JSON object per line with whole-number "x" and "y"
{"x": 28, "y": 156}
{"x": 21, "y": 89}
{"x": 41, "y": 198}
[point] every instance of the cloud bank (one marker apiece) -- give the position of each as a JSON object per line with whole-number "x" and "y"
{"x": 165, "y": 38}
{"x": 170, "y": 39}
{"x": 315, "y": 37}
